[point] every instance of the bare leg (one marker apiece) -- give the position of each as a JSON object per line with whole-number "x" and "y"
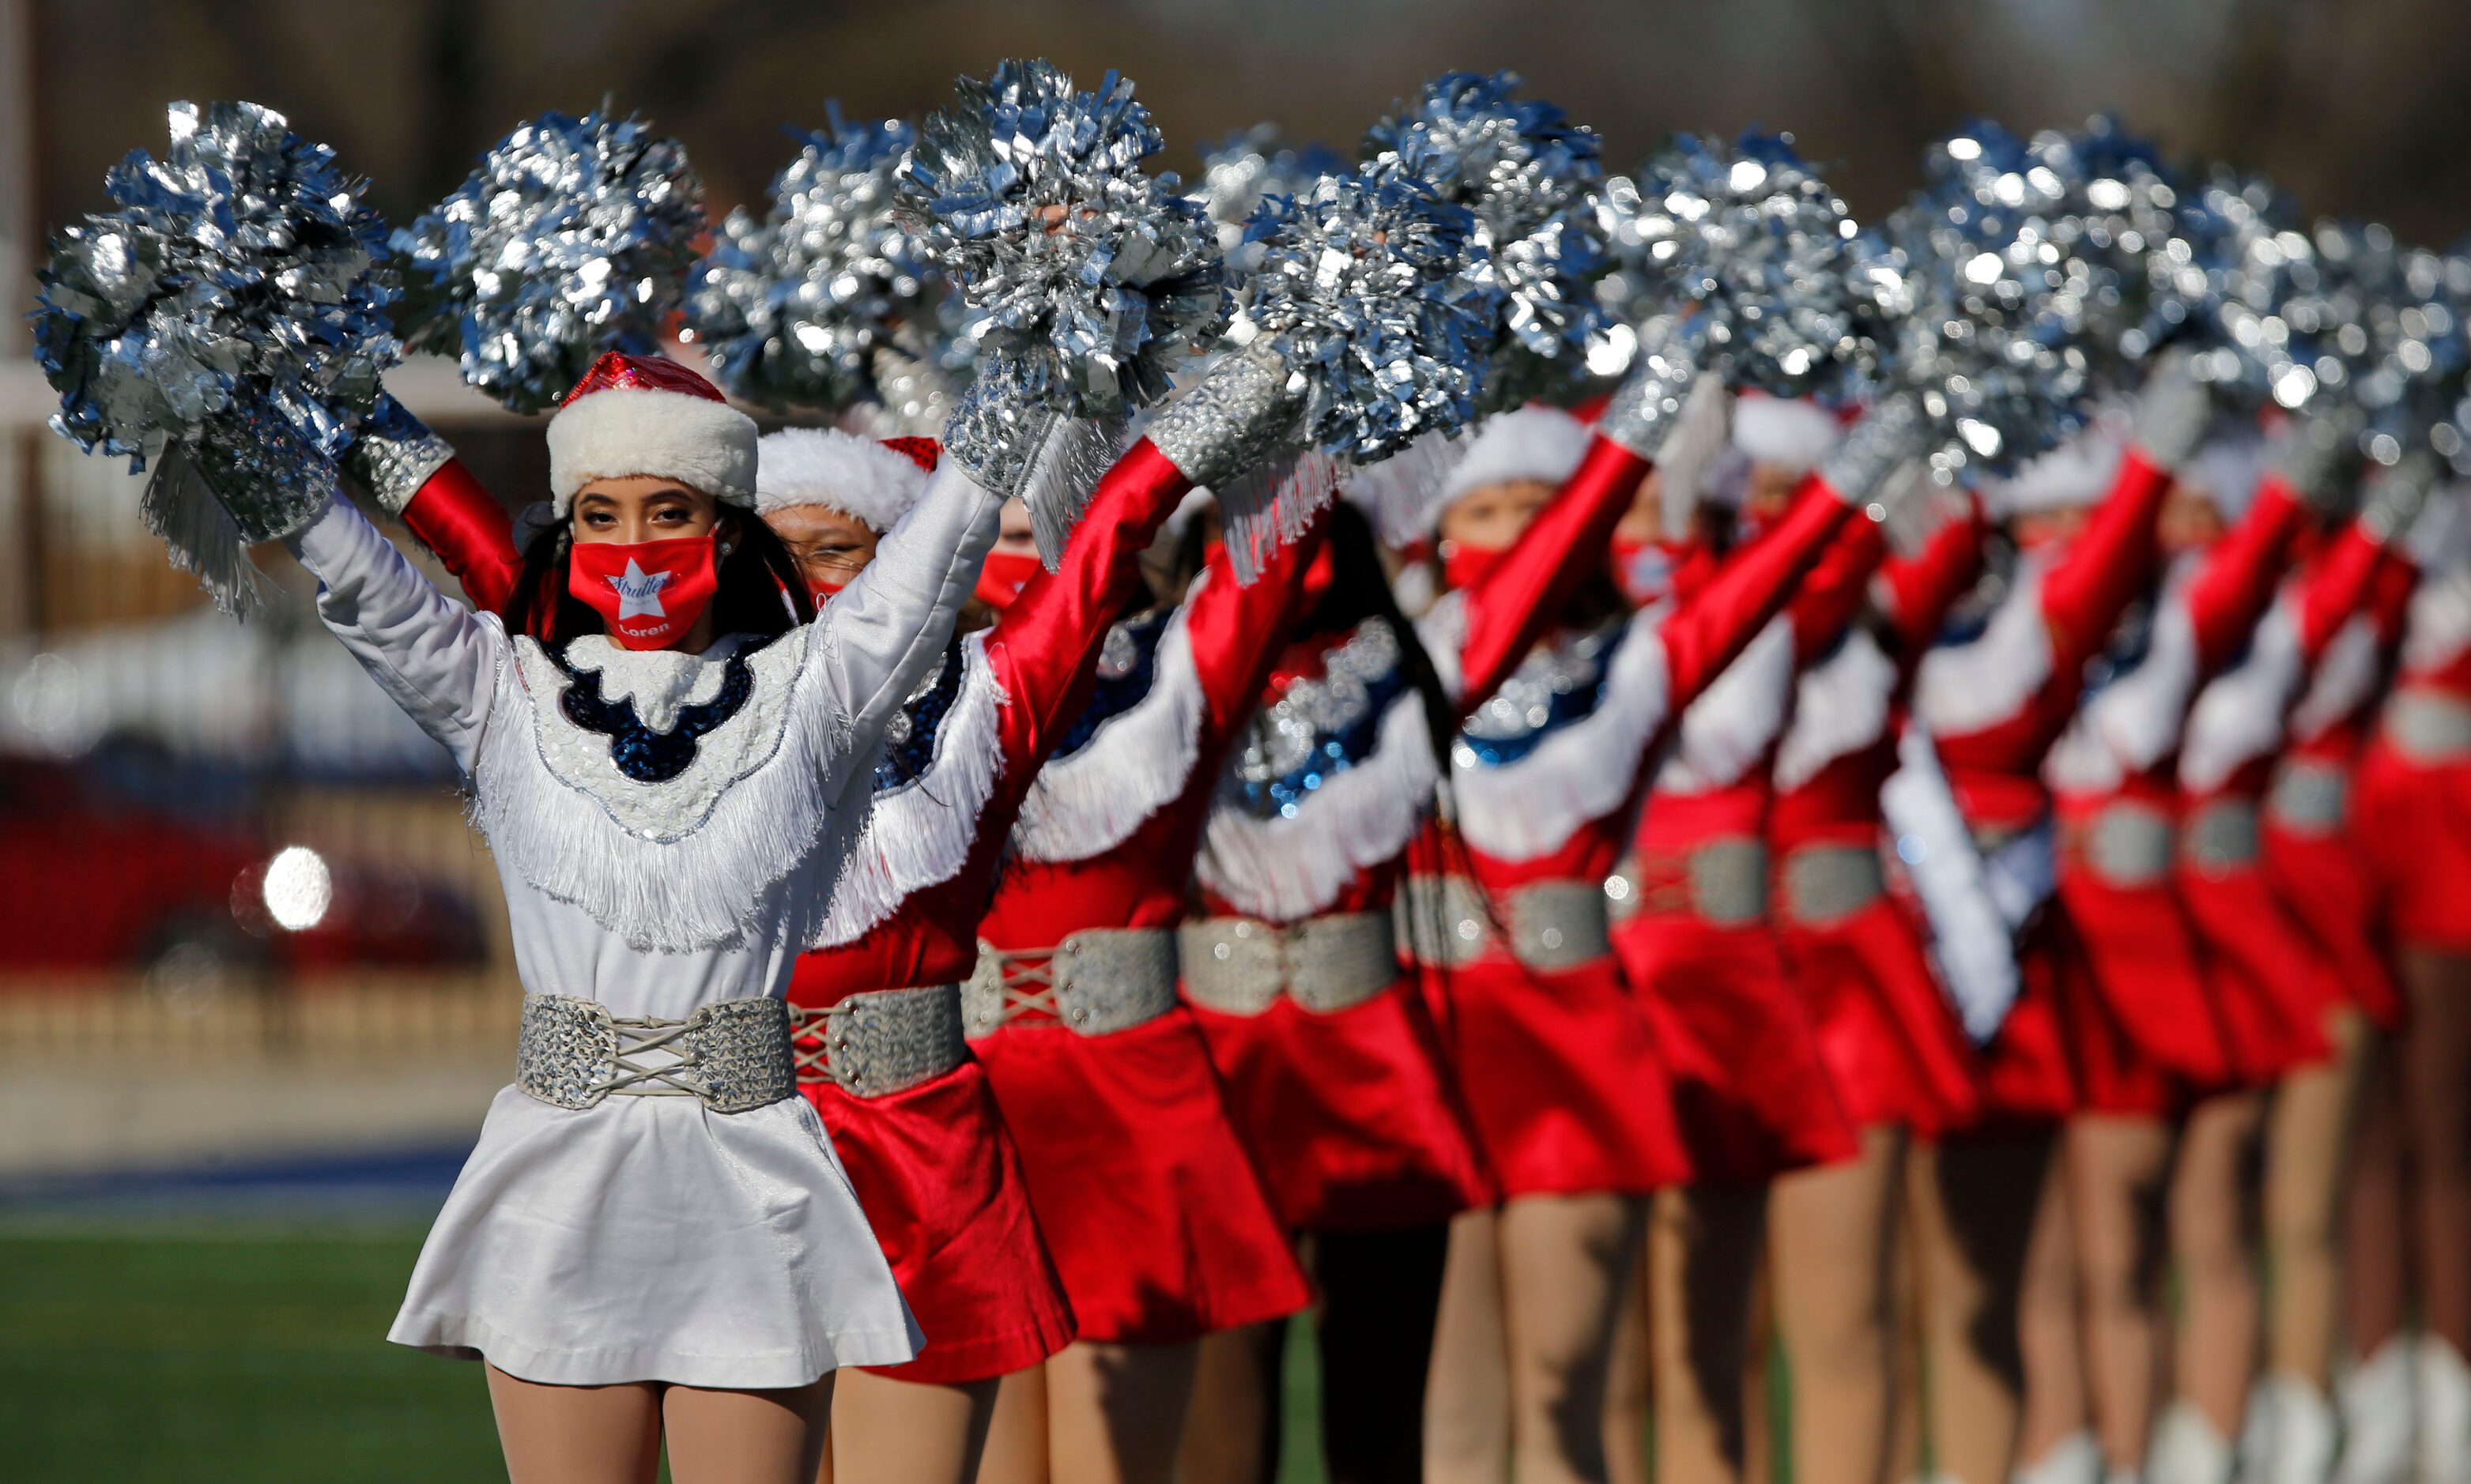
{"x": 1381, "y": 1293}
{"x": 577, "y": 1434}
{"x": 1626, "y": 1383}
{"x": 1231, "y": 1436}
{"x": 1566, "y": 1261}
{"x": 2118, "y": 1168}
{"x": 903, "y": 1432}
{"x": 2376, "y": 1265}
{"x": 1974, "y": 1204}
{"x": 1704, "y": 1246}
{"x": 1904, "y": 1318}
{"x": 2437, "y": 1102}
{"x": 2214, "y": 1356}
{"x": 1016, "y": 1449}
{"x": 2050, "y": 1333}
{"x": 746, "y": 1437}
{"x": 1828, "y": 1256}
{"x": 2307, "y": 1146}
{"x": 1467, "y": 1399}
{"x": 1115, "y": 1413}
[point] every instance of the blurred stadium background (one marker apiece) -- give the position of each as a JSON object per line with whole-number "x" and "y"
{"x": 254, "y": 984}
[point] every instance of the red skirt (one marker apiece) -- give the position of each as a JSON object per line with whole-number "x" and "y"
{"x": 2113, "y": 1071}
{"x": 2137, "y": 954}
{"x": 2027, "y": 1084}
{"x": 1354, "y": 1122}
{"x": 1751, "y": 1094}
{"x": 2275, "y": 991}
{"x": 2321, "y": 880}
{"x": 1562, "y": 1077}
{"x": 936, "y": 1173}
{"x": 1153, "y": 1211}
{"x": 2414, "y": 820}
{"x": 1890, "y": 1040}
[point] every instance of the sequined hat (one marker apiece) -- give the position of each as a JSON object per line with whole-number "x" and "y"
{"x": 874, "y": 481}
{"x": 647, "y": 415}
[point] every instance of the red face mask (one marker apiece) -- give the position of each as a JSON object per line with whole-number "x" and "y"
{"x": 648, "y": 593}
{"x": 1003, "y": 576}
{"x": 1463, "y": 566}
{"x": 822, "y": 593}
{"x": 1644, "y": 570}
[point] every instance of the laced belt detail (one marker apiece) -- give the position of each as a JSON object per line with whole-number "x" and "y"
{"x": 2124, "y": 844}
{"x": 735, "y": 1056}
{"x": 1724, "y": 882}
{"x": 1336, "y": 962}
{"x": 1553, "y": 925}
{"x": 1097, "y": 981}
{"x": 881, "y": 1042}
{"x": 2310, "y": 798}
{"x": 1829, "y": 883}
{"x": 2221, "y": 837}
{"x": 2428, "y": 725}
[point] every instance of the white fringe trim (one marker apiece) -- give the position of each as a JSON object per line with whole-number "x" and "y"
{"x": 1840, "y": 706}
{"x": 1965, "y": 688}
{"x": 201, "y": 536}
{"x": 2139, "y": 719}
{"x": 1285, "y": 870}
{"x": 2238, "y": 715}
{"x": 1580, "y": 774}
{"x": 1972, "y": 944}
{"x": 921, "y": 834}
{"x": 1139, "y": 761}
{"x": 704, "y": 889}
{"x": 1443, "y": 631}
{"x": 2346, "y": 676}
{"x": 1735, "y": 720}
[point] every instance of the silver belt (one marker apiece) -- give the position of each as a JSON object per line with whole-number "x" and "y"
{"x": 2428, "y": 725}
{"x": 1824, "y": 883}
{"x": 2310, "y": 798}
{"x": 1722, "y": 881}
{"x": 1097, "y": 981}
{"x": 1240, "y": 966}
{"x": 1553, "y": 925}
{"x": 735, "y": 1056}
{"x": 2127, "y": 845}
{"x": 881, "y": 1042}
{"x": 2220, "y": 837}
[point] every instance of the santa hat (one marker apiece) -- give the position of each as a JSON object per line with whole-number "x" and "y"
{"x": 1786, "y": 432}
{"x": 872, "y": 481}
{"x": 2227, "y": 469}
{"x": 645, "y": 415}
{"x": 2077, "y": 474}
{"x": 1534, "y": 441}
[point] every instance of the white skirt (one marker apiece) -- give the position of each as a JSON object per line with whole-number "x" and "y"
{"x": 653, "y": 1239}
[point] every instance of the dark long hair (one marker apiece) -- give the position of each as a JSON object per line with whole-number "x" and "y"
{"x": 760, "y": 591}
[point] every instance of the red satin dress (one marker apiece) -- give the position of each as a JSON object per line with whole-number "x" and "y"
{"x": 1155, "y": 1212}
{"x": 2415, "y": 795}
{"x": 1995, "y": 706}
{"x": 1694, "y": 934}
{"x": 1891, "y": 1043}
{"x": 2151, "y": 1024}
{"x": 2314, "y": 852}
{"x": 935, "y": 1167}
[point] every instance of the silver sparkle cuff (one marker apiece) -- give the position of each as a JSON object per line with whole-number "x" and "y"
{"x": 1238, "y": 416}
{"x": 2313, "y": 450}
{"x": 392, "y": 470}
{"x": 1891, "y": 433}
{"x": 995, "y": 440}
{"x": 2172, "y": 413}
{"x": 2395, "y": 496}
{"x": 1643, "y": 412}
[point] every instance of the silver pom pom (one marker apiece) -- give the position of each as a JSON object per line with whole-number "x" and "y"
{"x": 1249, "y": 168}
{"x": 792, "y": 307}
{"x": 1528, "y": 176}
{"x": 2391, "y": 320}
{"x": 1971, "y": 282}
{"x": 230, "y": 313}
{"x": 2119, "y": 216}
{"x": 1090, "y": 276}
{"x": 1741, "y": 256}
{"x": 572, "y": 238}
{"x": 2258, "y": 267}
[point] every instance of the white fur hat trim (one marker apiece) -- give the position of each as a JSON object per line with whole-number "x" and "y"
{"x": 1786, "y": 432}
{"x": 621, "y": 430}
{"x": 824, "y": 466}
{"x": 1533, "y": 442}
{"x": 2229, "y": 471}
{"x": 2077, "y": 474}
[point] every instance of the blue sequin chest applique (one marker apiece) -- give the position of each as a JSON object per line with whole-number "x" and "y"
{"x": 1127, "y": 669}
{"x": 1319, "y": 727}
{"x": 2131, "y": 643}
{"x": 640, "y": 752}
{"x": 1557, "y": 686}
{"x": 909, "y": 740}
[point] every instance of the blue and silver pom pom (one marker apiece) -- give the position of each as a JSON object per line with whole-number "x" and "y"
{"x": 230, "y": 319}
{"x": 791, "y": 307}
{"x": 2123, "y": 213}
{"x": 1248, "y": 168}
{"x": 1529, "y": 176}
{"x": 572, "y": 238}
{"x": 1091, "y": 277}
{"x": 1741, "y": 256}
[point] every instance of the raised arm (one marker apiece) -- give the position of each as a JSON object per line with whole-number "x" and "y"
{"x": 2115, "y": 557}
{"x": 1237, "y": 630}
{"x": 1918, "y": 591}
{"x": 1708, "y": 630}
{"x": 415, "y": 476}
{"x": 890, "y": 624}
{"x": 1514, "y": 604}
{"x": 434, "y": 657}
{"x": 1836, "y": 586}
{"x": 2229, "y": 593}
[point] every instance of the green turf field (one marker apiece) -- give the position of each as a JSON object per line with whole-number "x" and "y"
{"x": 168, "y": 1353}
